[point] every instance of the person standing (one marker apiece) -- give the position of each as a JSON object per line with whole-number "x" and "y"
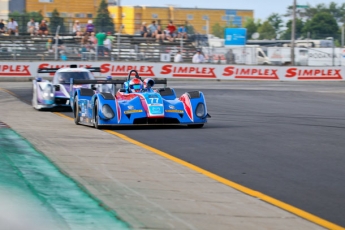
{"x": 198, "y": 57}
{"x": 31, "y": 26}
{"x": 108, "y": 42}
{"x": 12, "y": 27}
{"x": 101, "y": 36}
{"x": 178, "y": 57}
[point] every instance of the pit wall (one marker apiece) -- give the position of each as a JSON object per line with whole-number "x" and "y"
{"x": 17, "y": 70}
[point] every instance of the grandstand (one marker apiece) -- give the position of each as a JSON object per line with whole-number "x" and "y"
{"x": 129, "y": 48}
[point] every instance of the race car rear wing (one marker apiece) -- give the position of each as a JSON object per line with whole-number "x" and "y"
{"x": 53, "y": 70}
{"x": 112, "y": 82}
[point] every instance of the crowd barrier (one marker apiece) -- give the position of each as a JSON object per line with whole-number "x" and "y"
{"x": 184, "y": 71}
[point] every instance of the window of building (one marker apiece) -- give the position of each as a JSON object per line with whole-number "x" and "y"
{"x": 226, "y": 18}
{"x": 46, "y": 1}
{"x": 48, "y": 14}
{"x": 205, "y": 17}
{"x": 80, "y": 15}
{"x": 190, "y": 17}
{"x": 154, "y": 16}
{"x": 64, "y": 15}
{"x": 204, "y": 28}
{"x": 89, "y": 15}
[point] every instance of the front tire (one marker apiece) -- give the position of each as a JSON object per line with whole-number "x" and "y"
{"x": 95, "y": 116}
{"x": 76, "y": 111}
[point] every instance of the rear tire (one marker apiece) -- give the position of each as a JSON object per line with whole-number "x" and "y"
{"x": 196, "y": 126}
{"x": 76, "y": 111}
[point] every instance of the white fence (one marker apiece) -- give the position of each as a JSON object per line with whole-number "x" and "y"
{"x": 189, "y": 71}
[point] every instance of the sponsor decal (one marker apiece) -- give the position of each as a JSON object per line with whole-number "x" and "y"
{"x": 122, "y": 70}
{"x": 14, "y": 70}
{"x": 171, "y": 107}
{"x": 314, "y": 74}
{"x": 251, "y": 73}
{"x": 188, "y": 71}
{"x": 130, "y": 107}
{"x": 130, "y": 111}
{"x": 174, "y": 111}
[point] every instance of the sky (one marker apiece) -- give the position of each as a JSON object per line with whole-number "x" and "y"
{"x": 262, "y": 8}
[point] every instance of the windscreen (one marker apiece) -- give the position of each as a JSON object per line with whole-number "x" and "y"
{"x": 64, "y": 77}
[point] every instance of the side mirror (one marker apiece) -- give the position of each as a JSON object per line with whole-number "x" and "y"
{"x": 122, "y": 90}
{"x": 93, "y": 87}
{"x": 57, "y": 87}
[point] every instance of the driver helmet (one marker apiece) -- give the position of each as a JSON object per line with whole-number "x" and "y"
{"x": 135, "y": 85}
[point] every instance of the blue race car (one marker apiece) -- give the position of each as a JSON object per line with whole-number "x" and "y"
{"x": 136, "y": 103}
{"x": 47, "y": 95}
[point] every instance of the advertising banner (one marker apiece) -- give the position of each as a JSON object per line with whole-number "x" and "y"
{"x": 184, "y": 71}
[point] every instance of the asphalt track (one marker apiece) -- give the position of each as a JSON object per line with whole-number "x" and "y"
{"x": 283, "y": 139}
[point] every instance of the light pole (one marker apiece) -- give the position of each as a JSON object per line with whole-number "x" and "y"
{"x": 293, "y": 30}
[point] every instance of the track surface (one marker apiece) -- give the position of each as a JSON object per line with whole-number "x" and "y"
{"x": 285, "y": 140}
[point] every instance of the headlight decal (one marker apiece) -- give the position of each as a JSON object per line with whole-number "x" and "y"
{"x": 200, "y": 110}
{"x": 107, "y": 112}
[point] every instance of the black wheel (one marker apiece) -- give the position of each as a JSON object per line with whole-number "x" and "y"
{"x": 76, "y": 111}
{"x": 95, "y": 116}
{"x": 196, "y": 126}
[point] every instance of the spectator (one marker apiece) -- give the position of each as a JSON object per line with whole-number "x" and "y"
{"x": 92, "y": 41}
{"x": 49, "y": 45}
{"x": 77, "y": 29}
{"x": 178, "y": 57}
{"x": 171, "y": 29}
{"x": 152, "y": 29}
{"x": 100, "y": 43}
{"x": 230, "y": 57}
{"x": 198, "y": 57}
{"x": 108, "y": 41}
{"x": 182, "y": 32}
{"x": 58, "y": 44}
{"x": 143, "y": 30}
{"x": 160, "y": 36}
{"x": 2, "y": 26}
{"x": 12, "y": 27}
{"x": 90, "y": 28}
{"x": 31, "y": 26}
{"x": 43, "y": 28}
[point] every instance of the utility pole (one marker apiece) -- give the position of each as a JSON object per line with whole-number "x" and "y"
{"x": 293, "y": 33}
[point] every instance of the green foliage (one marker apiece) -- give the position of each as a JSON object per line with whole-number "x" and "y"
{"x": 267, "y": 31}
{"x": 218, "y": 30}
{"x": 56, "y": 21}
{"x": 322, "y": 25}
{"x": 103, "y": 21}
{"x": 251, "y": 27}
{"x": 286, "y": 35}
{"x": 276, "y": 21}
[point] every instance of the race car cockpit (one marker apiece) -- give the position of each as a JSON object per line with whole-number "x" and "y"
{"x": 64, "y": 77}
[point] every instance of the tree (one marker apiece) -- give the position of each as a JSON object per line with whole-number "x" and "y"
{"x": 56, "y": 21}
{"x": 276, "y": 21}
{"x": 286, "y": 35}
{"x": 251, "y": 27}
{"x": 218, "y": 30}
{"x": 103, "y": 21}
{"x": 267, "y": 31}
{"x": 322, "y": 25}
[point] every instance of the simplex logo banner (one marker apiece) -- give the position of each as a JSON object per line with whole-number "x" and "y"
{"x": 186, "y": 71}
